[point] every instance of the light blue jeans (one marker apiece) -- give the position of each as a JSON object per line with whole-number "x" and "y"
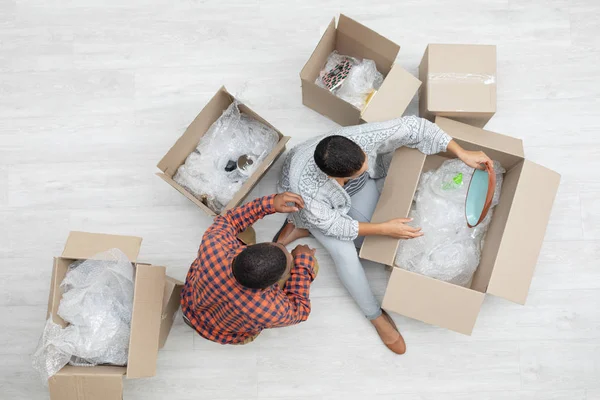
{"x": 345, "y": 256}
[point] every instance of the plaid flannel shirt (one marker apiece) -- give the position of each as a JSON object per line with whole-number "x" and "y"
{"x": 221, "y": 309}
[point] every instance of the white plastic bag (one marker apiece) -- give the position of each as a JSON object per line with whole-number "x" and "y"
{"x": 231, "y": 136}
{"x": 97, "y": 302}
{"x": 449, "y": 250}
{"x": 362, "y": 79}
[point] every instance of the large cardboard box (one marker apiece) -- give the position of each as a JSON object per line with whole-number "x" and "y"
{"x": 356, "y": 40}
{"x": 459, "y": 82}
{"x": 512, "y": 244}
{"x": 190, "y": 138}
{"x": 148, "y": 330}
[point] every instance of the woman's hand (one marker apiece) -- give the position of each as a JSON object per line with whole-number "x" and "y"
{"x": 475, "y": 159}
{"x": 399, "y": 229}
{"x": 280, "y": 203}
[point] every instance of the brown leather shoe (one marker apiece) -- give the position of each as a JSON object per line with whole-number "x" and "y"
{"x": 398, "y": 345}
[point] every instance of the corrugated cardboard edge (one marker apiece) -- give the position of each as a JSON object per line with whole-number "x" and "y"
{"x": 171, "y": 304}
{"x": 84, "y": 383}
{"x": 82, "y": 245}
{"x": 432, "y": 301}
{"x": 524, "y": 232}
{"x": 393, "y": 97}
{"x": 145, "y": 321}
{"x": 394, "y": 202}
{"x": 311, "y": 63}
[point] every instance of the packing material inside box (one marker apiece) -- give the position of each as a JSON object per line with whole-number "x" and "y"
{"x": 226, "y": 156}
{"x": 222, "y": 154}
{"x": 97, "y": 304}
{"x": 105, "y": 381}
{"x": 350, "y": 79}
{"x": 449, "y": 250}
{"x": 512, "y": 243}
{"x": 459, "y": 81}
{"x": 370, "y": 55}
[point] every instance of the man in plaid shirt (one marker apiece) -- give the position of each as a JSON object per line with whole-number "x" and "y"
{"x": 233, "y": 290}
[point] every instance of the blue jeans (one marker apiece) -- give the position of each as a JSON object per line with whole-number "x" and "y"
{"x": 345, "y": 256}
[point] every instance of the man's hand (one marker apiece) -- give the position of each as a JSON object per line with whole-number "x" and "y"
{"x": 282, "y": 199}
{"x": 476, "y": 159}
{"x": 398, "y": 229}
{"x": 303, "y": 249}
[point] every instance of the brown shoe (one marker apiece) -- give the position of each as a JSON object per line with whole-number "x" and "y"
{"x": 397, "y": 345}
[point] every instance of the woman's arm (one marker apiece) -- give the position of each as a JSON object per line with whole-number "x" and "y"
{"x": 474, "y": 159}
{"x": 396, "y": 228}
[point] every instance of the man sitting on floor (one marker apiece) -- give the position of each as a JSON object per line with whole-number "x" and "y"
{"x": 235, "y": 288}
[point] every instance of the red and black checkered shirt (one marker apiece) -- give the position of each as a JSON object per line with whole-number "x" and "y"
{"x": 224, "y": 311}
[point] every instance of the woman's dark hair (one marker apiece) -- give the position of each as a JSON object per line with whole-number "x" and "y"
{"x": 259, "y": 266}
{"x": 339, "y": 157}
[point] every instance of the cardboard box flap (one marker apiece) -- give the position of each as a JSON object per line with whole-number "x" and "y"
{"x": 524, "y": 232}
{"x": 194, "y": 132}
{"x": 394, "y": 202}
{"x": 145, "y": 321}
{"x": 84, "y": 383}
{"x": 372, "y": 45}
{"x": 82, "y": 245}
{"x": 393, "y": 97}
{"x": 481, "y": 137}
{"x": 170, "y": 306}
{"x": 432, "y": 301}
{"x": 317, "y": 59}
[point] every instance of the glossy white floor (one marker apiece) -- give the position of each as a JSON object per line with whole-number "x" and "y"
{"x": 92, "y": 94}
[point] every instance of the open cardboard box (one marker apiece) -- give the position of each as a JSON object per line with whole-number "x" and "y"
{"x": 512, "y": 243}
{"x": 192, "y": 135}
{"x": 353, "y": 39}
{"x": 459, "y": 82}
{"x": 151, "y": 321}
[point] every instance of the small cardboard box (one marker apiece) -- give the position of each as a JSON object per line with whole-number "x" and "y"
{"x": 104, "y": 382}
{"x": 512, "y": 243}
{"x": 353, "y": 39}
{"x": 192, "y": 135}
{"x": 459, "y": 82}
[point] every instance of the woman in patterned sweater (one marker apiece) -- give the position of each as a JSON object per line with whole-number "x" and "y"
{"x": 336, "y": 176}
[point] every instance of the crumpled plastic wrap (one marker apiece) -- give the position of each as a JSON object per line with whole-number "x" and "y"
{"x": 361, "y": 81}
{"x": 449, "y": 250}
{"x": 97, "y": 302}
{"x": 205, "y": 171}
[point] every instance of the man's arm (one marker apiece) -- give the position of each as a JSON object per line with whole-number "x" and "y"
{"x": 240, "y": 218}
{"x": 292, "y": 301}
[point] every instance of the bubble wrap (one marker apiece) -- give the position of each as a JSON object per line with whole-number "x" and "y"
{"x": 449, "y": 250}
{"x": 97, "y": 302}
{"x": 362, "y": 79}
{"x": 232, "y": 135}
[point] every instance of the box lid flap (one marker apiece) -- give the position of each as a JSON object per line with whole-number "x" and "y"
{"x": 432, "y": 301}
{"x": 315, "y": 62}
{"x": 87, "y": 383}
{"x": 524, "y": 232}
{"x": 393, "y": 97}
{"x": 170, "y": 305}
{"x": 481, "y": 137}
{"x": 394, "y": 202}
{"x": 383, "y": 50}
{"x": 145, "y": 320}
{"x": 82, "y": 245}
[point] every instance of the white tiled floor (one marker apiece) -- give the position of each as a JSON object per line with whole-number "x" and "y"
{"x": 92, "y": 94}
